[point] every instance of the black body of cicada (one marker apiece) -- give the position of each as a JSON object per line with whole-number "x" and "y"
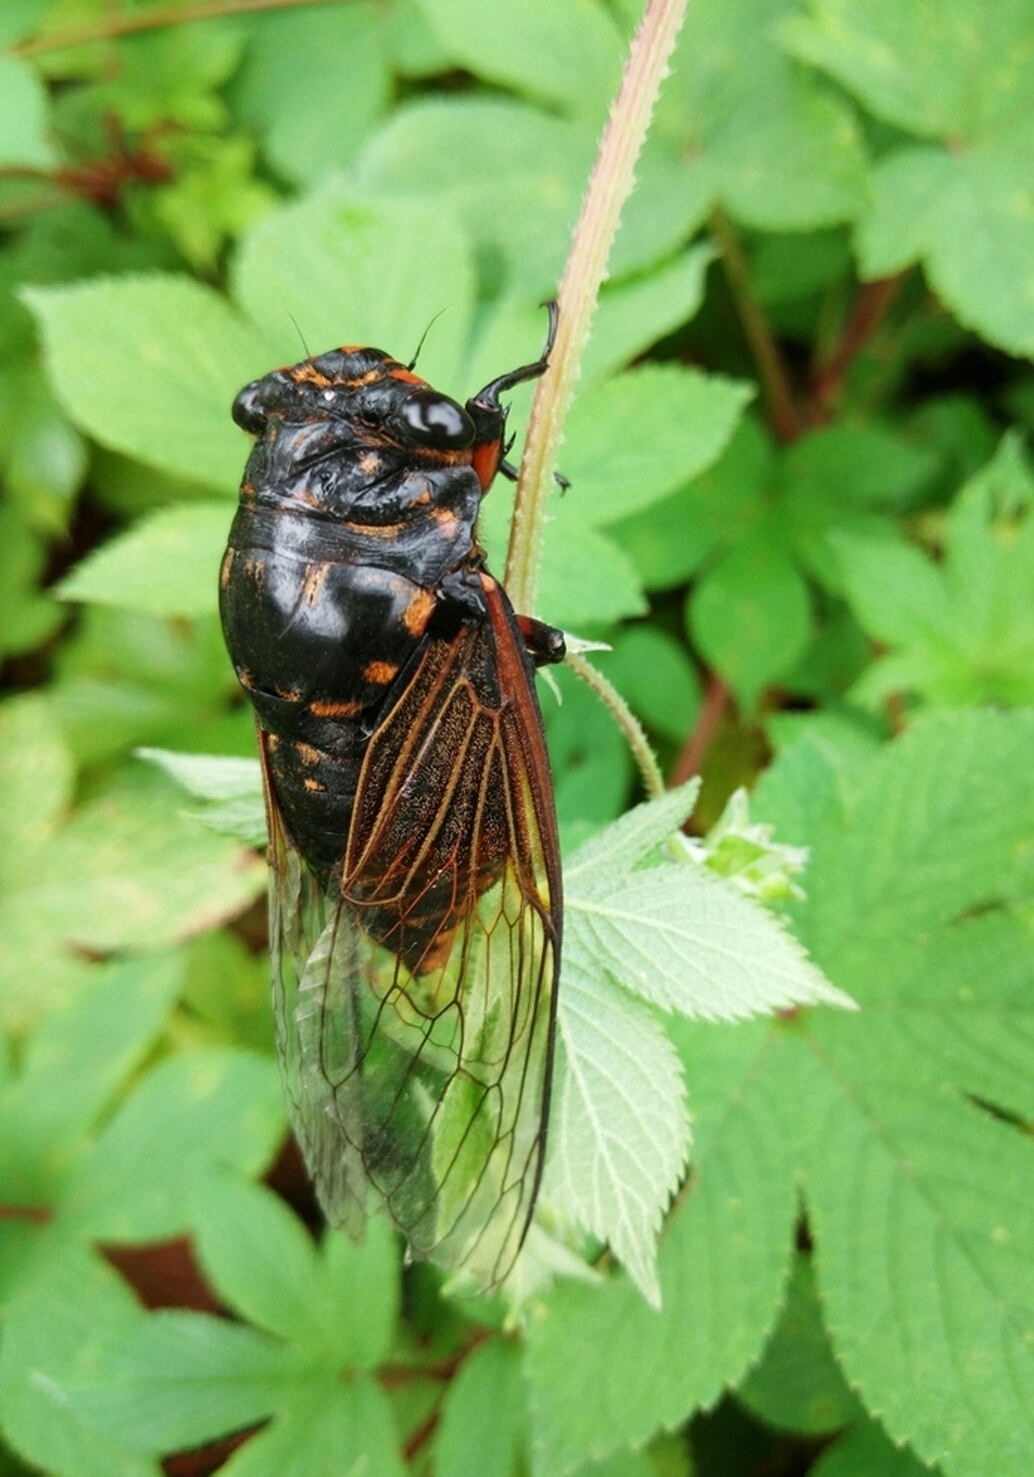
{"x": 416, "y": 905}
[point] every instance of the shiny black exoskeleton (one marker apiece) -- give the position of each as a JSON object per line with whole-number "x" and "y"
{"x": 354, "y": 539}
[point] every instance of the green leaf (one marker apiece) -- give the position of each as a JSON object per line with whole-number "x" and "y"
{"x": 335, "y": 269}
{"x": 130, "y": 871}
{"x": 865, "y": 1450}
{"x": 54, "y": 1332}
{"x": 23, "y": 116}
{"x": 960, "y": 632}
{"x": 36, "y": 779}
{"x": 168, "y": 563}
{"x": 232, "y": 788}
{"x": 586, "y": 579}
{"x": 619, "y": 1131}
{"x": 968, "y": 218}
{"x": 149, "y": 365}
{"x": 715, "y": 510}
{"x": 568, "y": 55}
{"x": 338, "y": 1302}
{"x": 722, "y": 1263}
{"x": 89, "y": 1048}
{"x": 512, "y": 174}
{"x": 654, "y": 674}
{"x": 329, "y": 1429}
{"x": 759, "y": 135}
{"x": 682, "y": 938}
{"x": 917, "y": 1196}
{"x": 945, "y": 70}
{"x": 798, "y": 1386}
{"x": 632, "y": 316}
{"x": 482, "y": 1428}
{"x": 178, "y": 1379}
{"x": 637, "y": 437}
{"x": 749, "y": 616}
{"x": 210, "y": 776}
{"x": 149, "y": 1169}
{"x": 291, "y": 58}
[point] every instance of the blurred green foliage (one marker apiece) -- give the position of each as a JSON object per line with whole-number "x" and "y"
{"x": 801, "y": 514}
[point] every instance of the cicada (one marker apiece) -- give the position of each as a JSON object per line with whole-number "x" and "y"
{"x": 416, "y": 887}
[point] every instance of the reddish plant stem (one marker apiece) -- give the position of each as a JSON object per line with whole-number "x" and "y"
{"x": 871, "y": 307}
{"x": 37, "y": 1214}
{"x": 421, "y": 1436}
{"x": 712, "y": 711}
{"x": 783, "y": 415}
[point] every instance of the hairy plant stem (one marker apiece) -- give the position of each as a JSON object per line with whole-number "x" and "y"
{"x": 609, "y": 188}
{"x": 653, "y": 779}
{"x": 111, "y": 26}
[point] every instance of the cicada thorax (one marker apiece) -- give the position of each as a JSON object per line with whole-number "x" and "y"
{"x": 345, "y": 539}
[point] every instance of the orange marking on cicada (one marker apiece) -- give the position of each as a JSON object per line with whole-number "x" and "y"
{"x": 380, "y": 673}
{"x": 418, "y": 612}
{"x": 334, "y": 710}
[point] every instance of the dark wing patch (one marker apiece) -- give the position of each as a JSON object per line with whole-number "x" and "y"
{"x": 416, "y": 1010}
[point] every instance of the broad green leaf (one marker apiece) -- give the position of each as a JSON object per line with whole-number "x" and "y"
{"x": 231, "y": 788}
{"x": 168, "y": 563}
{"x": 798, "y": 1386}
{"x": 331, "y": 1428}
{"x": 586, "y": 581}
{"x": 682, "y": 938}
{"x": 967, "y": 217}
{"x": 722, "y": 1262}
{"x": 482, "y": 1428}
{"x": 130, "y": 871}
{"x": 962, "y": 631}
{"x": 210, "y": 776}
{"x": 944, "y": 69}
{"x": 54, "y": 1332}
{"x": 149, "y": 1168}
{"x": 44, "y": 457}
{"x": 749, "y": 615}
{"x": 512, "y": 174}
{"x": 36, "y": 778}
{"x": 636, "y": 438}
{"x": 654, "y": 674}
{"x": 168, "y": 77}
{"x": 619, "y": 1132}
{"x": 715, "y": 510}
{"x": 85, "y": 1050}
{"x": 23, "y": 116}
{"x": 149, "y": 365}
{"x": 339, "y": 1302}
{"x": 758, "y": 134}
{"x": 334, "y": 270}
{"x": 857, "y": 466}
{"x": 568, "y": 54}
{"x": 292, "y": 58}
{"x": 177, "y": 1379}
{"x": 625, "y": 843}
{"x": 633, "y": 315}
{"x": 864, "y": 1451}
{"x": 917, "y": 1196}
{"x": 920, "y": 1207}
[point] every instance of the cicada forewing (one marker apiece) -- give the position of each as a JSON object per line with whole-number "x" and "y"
{"x": 416, "y": 1002}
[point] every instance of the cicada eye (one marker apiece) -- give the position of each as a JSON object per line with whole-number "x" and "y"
{"x": 248, "y": 410}
{"x": 436, "y": 420}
